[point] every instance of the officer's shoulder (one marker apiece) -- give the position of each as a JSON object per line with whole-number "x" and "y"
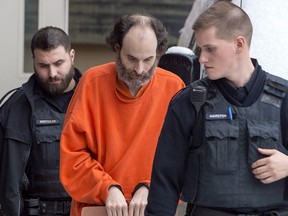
{"x": 12, "y": 97}
{"x": 184, "y": 93}
{"x": 276, "y": 85}
{"x": 276, "y": 79}
{"x": 181, "y": 95}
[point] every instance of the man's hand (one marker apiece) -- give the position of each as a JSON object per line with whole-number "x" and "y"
{"x": 138, "y": 202}
{"x": 116, "y": 204}
{"x": 271, "y": 168}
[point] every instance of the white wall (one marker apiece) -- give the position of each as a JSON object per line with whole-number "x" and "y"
{"x": 11, "y": 40}
{"x": 270, "y": 38}
{"x": 55, "y": 13}
{"x": 52, "y": 12}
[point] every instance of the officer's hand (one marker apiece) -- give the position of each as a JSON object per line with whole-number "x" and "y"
{"x": 271, "y": 168}
{"x": 138, "y": 202}
{"x": 116, "y": 204}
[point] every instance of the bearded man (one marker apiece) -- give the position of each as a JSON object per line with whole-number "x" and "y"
{"x": 31, "y": 122}
{"x": 114, "y": 120}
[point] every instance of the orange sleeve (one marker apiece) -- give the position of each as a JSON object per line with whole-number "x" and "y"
{"x": 81, "y": 174}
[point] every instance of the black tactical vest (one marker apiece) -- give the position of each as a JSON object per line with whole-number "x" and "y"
{"x": 43, "y": 165}
{"x": 220, "y": 172}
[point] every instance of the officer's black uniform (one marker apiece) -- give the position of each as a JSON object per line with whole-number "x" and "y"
{"x": 31, "y": 122}
{"x": 212, "y": 169}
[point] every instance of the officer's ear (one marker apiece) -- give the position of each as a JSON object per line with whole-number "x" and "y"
{"x": 72, "y": 55}
{"x": 240, "y": 43}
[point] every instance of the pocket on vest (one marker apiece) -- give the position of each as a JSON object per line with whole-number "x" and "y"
{"x": 222, "y": 147}
{"x": 262, "y": 135}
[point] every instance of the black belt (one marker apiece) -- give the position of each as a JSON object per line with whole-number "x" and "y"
{"x": 43, "y": 207}
{"x": 203, "y": 211}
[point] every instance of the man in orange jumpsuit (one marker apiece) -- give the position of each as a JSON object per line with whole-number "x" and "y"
{"x": 114, "y": 120}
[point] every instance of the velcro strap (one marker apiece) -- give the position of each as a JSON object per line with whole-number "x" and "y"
{"x": 29, "y": 203}
{"x": 55, "y": 207}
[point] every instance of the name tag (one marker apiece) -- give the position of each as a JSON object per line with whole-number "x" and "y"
{"x": 43, "y": 122}
{"x": 217, "y": 116}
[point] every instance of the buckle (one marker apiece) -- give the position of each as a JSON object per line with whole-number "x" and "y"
{"x": 42, "y": 208}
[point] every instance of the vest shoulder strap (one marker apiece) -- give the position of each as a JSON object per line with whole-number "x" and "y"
{"x": 8, "y": 93}
{"x": 276, "y": 86}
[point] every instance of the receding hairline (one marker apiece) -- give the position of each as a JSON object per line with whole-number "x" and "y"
{"x": 142, "y": 20}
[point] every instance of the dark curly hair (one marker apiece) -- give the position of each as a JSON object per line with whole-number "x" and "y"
{"x": 50, "y": 37}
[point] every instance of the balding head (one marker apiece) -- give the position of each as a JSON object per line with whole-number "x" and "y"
{"x": 126, "y": 22}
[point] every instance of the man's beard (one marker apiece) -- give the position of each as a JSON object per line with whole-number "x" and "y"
{"x": 55, "y": 89}
{"x": 131, "y": 77}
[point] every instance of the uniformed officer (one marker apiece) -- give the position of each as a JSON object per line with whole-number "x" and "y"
{"x": 31, "y": 122}
{"x": 223, "y": 143}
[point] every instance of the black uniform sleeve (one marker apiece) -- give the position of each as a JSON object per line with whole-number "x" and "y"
{"x": 169, "y": 162}
{"x": 15, "y": 145}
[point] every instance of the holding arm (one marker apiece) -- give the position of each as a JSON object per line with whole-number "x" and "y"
{"x": 169, "y": 162}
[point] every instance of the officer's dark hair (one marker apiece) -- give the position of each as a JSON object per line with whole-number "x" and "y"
{"x": 124, "y": 23}
{"x": 50, "y": 37}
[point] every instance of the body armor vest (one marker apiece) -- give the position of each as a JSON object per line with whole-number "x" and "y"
{"x": 221, "y": 174}
{"x": 43, "y": 171}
